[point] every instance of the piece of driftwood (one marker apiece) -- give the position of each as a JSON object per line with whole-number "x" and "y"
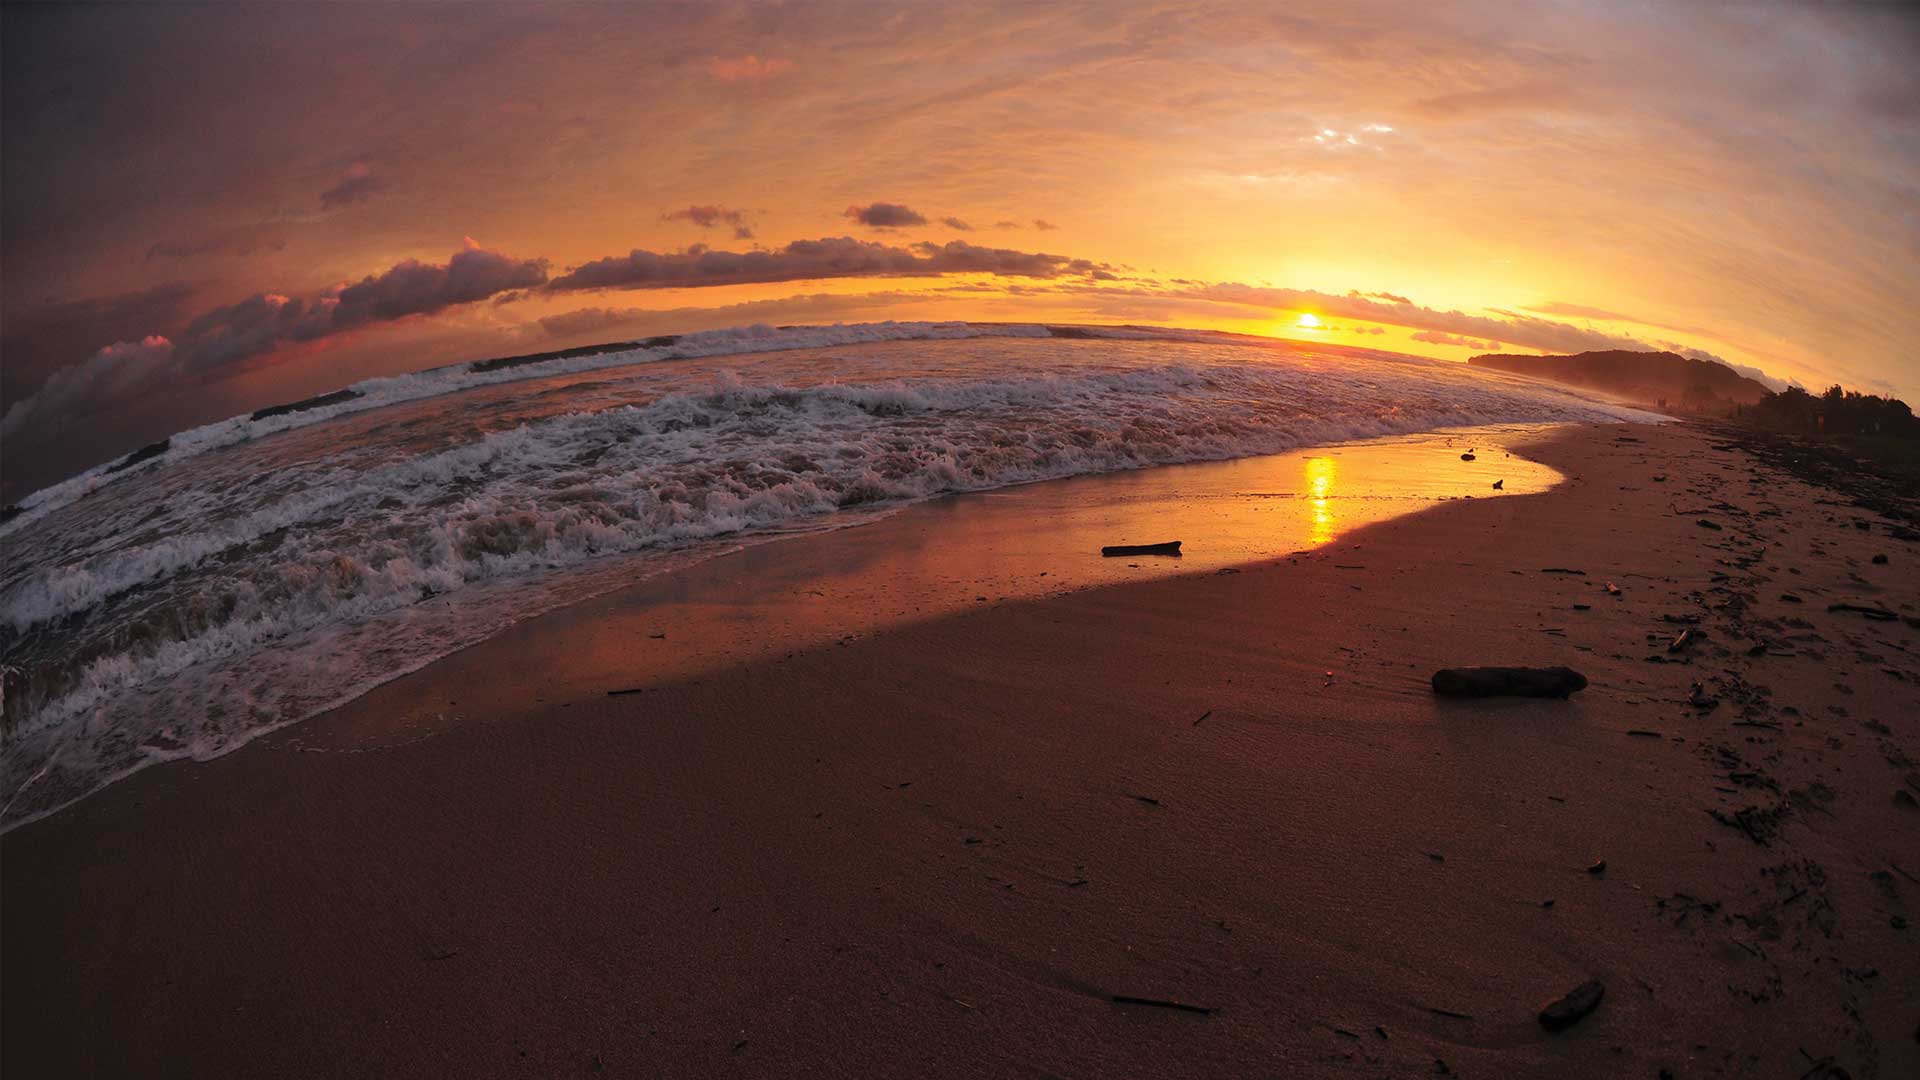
{"x": 1881, "y": 614}
{"x": 1553, "y": 682}
{"x": 1171, "y": 547}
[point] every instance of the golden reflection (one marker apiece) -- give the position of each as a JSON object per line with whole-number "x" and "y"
{"x": 1320, "y": 472}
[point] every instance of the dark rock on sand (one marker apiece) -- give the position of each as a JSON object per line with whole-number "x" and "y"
{"x": 1879, "y": 560}
{"x": 1553, "y": 682}
{"x": 1574, "y": 1007}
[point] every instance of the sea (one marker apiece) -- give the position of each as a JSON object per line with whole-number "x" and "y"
{"x": 250, "y": 573}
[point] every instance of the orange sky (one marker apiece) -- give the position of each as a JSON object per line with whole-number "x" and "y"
{"x": 1439, "y": 179}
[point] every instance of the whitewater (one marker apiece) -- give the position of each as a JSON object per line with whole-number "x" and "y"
{"x": 251, "y": 573}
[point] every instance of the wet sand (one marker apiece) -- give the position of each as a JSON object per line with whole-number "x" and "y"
{"x": 947, "y": 845}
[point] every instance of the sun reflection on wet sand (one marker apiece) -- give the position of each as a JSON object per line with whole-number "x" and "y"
{"x": 1017, "y": 543}
{"x": 1320, "y": 474}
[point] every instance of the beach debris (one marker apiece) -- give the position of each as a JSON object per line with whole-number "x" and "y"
{"x": 1708, "y": 523}
{"x": 1879, "y": 560}
{"x": 1759, "y": 824}
{"x": 1573, "y": 1007}
{"x": 1468, "y": 456}
{"x": 1643, "y": 733}
{"x": 1161, "y": 1003}
{"x": 1686, "y": 638}
{"x": 1660, "y": 478}
{"x": 1789, "y": 598}
{"x": 1757, "y": 649}
{"x": 1500, "y": 485}
{"x": 1598, "y": 868}
{"x": 1203, "y": 716}
{"x": 1171, "y": 547}
{"x": 1449, "y": 1013}
{"x": 1552, "y": 682}
{"x": 1879, "y": 614}
{"x": 1562, "y": 570}
{"x": 1612, "y": 589}
{"x": 1700, "y": 699}
{"x": 1148, "y": 799}
{"x": 628, "y": 690}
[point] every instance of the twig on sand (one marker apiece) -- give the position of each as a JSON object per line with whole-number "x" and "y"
{"x": 1161, "y": 1003}
{"x": 1449, "y": 1013}
{"x": 628, "y": 690}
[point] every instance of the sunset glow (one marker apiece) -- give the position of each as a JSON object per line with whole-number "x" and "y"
{"x": 1544, "y": 189}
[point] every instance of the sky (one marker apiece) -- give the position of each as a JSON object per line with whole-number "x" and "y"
{"x": 204, "y": 210}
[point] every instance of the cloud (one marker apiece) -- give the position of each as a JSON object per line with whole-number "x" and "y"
{"x": 356, "y": 185}
{"x": 262, "y": 323}
{"x": 416, "y": 288}
{"x": 1436, "y": 337}
{"x": 956, "y": 223}
{"x": 589, "y": 320}
{"x": 749, "y": 68}
{"x": 1387, "y": 296}
{"x": 830, "y": 257}
{"x": 882, "y": 215}
{"x": 1582, "y": 311}
{"x": 37, "y": 341}
{"x": 1006, "y": 224}
{"x": 1515, "y": 329}
{"x": 119, "y": 370}
{"x": 1043, "y": 225}
{"x": 707, "y": 217}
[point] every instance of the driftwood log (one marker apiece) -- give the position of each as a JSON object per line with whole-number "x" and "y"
{"x": 1171, "y": 547}
{"x": 1554, "y": 682}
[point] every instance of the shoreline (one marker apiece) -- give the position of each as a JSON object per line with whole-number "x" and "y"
{"x": 1019, "y": 541}
{"x": 952, "y": 846}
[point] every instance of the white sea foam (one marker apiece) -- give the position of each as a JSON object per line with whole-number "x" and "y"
{"x": 182, "y": 611}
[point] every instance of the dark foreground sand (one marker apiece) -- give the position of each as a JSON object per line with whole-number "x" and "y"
{"x": 944, "y": 848}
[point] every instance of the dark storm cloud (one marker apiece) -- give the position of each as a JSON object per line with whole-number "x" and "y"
{"x": 259, "y": 324}
{"x": 37, "y": 340}
{"x": 883, "y": 215}
{"x": 416, "y": 288}
{"x": 830, "y": 257}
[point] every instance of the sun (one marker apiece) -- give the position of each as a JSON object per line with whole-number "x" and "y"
{"x": 1307, "y": 321}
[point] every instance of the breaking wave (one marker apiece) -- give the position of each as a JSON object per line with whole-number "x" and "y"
{"x": 177, "y": 611}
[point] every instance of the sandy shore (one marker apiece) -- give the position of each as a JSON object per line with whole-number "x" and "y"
{"x": 944, "y": 847}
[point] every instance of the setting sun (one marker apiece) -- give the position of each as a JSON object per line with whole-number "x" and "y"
{"x": 1308, "y": 321}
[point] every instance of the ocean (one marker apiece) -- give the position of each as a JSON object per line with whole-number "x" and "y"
{"x": 254, "y": 572}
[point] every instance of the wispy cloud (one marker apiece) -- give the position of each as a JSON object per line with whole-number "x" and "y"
{"x": 357, "y": 184}
{"x": 710, "y": 215}
{"x": 748, "y": 68}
